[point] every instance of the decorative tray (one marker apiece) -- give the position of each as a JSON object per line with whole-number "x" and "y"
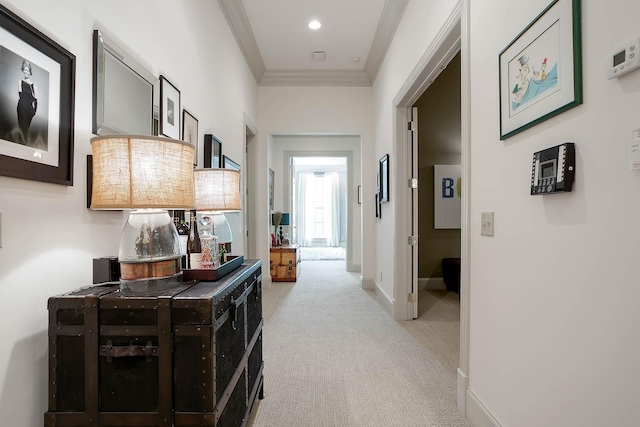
{"x": 213, "y": 274}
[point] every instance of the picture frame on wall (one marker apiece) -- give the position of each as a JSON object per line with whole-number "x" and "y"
{"x": 37, "y": 117}
{"x": 271, "y": 184}
{"x": 227, "y": 163}
{"x": 123, "y": 91}
{"x": 190, "y": 132}
{"x": 169, "y": 109}
{"x": 384, "y": 178}
{"x": 540, "y": 71}
{"x": 212, "y": 152}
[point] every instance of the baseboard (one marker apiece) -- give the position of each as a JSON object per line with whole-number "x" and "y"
{"x": 353, "y": 268}
{"x": 431, "y": 283}
{"x": 463, "y": 384}
{"x": 367, "y": 283}
{"x": 478, "y": 414}
{"x": 384, "y": 298}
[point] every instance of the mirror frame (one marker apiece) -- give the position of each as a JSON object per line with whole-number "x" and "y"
{"x": 103, "y": 45}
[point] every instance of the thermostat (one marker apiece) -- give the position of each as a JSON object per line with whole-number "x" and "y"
{"x": 624, "y": 59}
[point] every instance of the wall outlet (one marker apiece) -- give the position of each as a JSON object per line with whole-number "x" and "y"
{"x": 486, "y": 224}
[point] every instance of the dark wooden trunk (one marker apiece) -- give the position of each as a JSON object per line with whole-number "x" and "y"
{"x": 192, "y": 357}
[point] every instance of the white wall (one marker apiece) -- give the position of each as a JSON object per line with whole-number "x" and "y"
{"x": 554, "y": 294}
{"x": 48, "y": 236}
{"x": 319, "y": 111}
{"x": 420, "y": 23}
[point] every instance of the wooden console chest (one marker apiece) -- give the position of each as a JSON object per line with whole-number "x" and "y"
{"x": 189, "y": 357}
{"x": 284, "y": 263}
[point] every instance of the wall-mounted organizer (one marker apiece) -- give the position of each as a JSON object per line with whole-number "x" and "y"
{"x": 553, "y": 169}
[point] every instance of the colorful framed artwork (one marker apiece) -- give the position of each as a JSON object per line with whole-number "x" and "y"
{"x": 37, "y": 84}
{"x": 541, "y": 69}
{"x": 169, "y": 109}
{"x": 212, "y": 152}
{"x": 190, "y": 132}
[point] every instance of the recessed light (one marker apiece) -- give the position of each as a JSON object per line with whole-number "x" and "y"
{"x": 356, "y": 59}
{"x": 314, "y": 25}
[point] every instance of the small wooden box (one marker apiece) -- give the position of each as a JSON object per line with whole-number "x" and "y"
{"x": 284, "y": 263}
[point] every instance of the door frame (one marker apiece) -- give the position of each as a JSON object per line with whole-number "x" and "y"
{"x": 288, "y": 155}
{"x": 452, "y": 38}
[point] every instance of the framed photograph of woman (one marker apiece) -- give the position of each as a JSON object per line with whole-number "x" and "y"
{"x": 169, "y": 109}
{"x": 37, "y": 113}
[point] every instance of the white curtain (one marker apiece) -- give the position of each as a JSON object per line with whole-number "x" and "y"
{"x": 301, "y": 225}
{"x": 311, "y": 201}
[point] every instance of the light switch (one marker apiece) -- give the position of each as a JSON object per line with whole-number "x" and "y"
{"x": 486, "y": 224}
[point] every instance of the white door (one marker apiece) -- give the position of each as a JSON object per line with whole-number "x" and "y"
{"x": 413, "y": 220}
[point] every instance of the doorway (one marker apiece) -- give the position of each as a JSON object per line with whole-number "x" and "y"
{"x": 318, "y": 203}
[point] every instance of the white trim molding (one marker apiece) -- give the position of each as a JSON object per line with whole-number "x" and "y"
{"x": 315, "y": 78}
{"x": 236, "y": 17}
{"x": 384, "y": 298}
{"x": 389, "y": 20}
{"x": 478, "y": 414}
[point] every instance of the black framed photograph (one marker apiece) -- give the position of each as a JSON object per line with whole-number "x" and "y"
{"x": 378, "y": 210}
{"x": 384, "y": 179}
{"x": 37, "y": 84}
{"x": 541, "y": 69}
{"x": 227, "y": 163}
{"x": 169, "y": 109}
{"x": 212, "y": 152}
{"x": 190, "y": 132}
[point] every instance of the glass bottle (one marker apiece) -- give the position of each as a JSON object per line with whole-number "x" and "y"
{"x": 194, "y": 246}
{"x": 183, "y": 233}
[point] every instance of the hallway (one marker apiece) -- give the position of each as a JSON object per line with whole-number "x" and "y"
{"x": 334, "y": 357}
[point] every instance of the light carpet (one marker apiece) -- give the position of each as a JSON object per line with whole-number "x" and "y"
{"x": 335, "y": 357}
{"x": 315, "y": 253}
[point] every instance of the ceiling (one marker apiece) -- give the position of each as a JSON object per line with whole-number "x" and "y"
{"x": 278, "y": 45}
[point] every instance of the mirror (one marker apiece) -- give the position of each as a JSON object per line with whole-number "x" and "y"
{"x": 122, "y": 91}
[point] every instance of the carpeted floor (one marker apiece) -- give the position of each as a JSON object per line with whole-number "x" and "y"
{"x": 334, "y": 357}
{"x": 315, "y": 253}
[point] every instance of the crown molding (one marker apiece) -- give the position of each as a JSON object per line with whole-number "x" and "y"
{"x": 389, "y": 20}
{"x": 315, "y": 78}
{"x": 236, "y": 17}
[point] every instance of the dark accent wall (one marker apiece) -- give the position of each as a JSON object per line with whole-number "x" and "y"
{"x": 439, "y": 139}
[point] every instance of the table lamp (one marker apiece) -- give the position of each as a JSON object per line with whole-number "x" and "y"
{"x": 147, "y": 174}
{"x": 216, "y": 191}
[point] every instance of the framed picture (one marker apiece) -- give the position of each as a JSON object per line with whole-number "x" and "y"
{"x": 447, "y": 197}
{"x": 169, "y": 109}
{"x": 227, "y": 163}
{"x": 122, "y": 91}
{"x": 378, "y": 207}
{"x": 272, "y": 178}
{"x": 190, "y": 132}
{"x": 384, "y": 179}
{"x": 212, "y": 152}
{"x": 541, "y": 69}
{"x": 37, "y": 115}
